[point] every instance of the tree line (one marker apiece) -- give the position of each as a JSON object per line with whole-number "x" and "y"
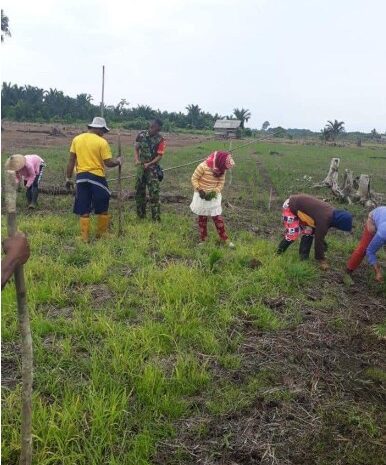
{"x": 30, "y": 103}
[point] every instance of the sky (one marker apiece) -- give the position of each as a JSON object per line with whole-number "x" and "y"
{"x": 295, "y": 63}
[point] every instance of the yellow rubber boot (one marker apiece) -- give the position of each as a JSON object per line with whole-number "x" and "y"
{"x": 84, "y": 228}
{"x": 102, "y": 225}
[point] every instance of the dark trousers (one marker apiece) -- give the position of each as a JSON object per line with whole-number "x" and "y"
{"x": 33, "y": 191}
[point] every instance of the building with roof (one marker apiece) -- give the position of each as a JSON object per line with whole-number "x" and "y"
{"x": 227, "y": 128}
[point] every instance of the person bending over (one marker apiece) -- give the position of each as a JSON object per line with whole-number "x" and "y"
{"x": 373, "y": 238}
{"x": 311, "y": 218}
{"x": 28, "y": 168}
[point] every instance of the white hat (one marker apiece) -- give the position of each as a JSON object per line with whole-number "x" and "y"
{"x": 98, "y": 123}
{"x": 15, "y": 162}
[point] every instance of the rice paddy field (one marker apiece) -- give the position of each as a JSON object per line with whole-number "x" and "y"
{"x": 150, "y": 350}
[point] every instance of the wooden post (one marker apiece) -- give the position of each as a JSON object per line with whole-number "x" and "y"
{"x": 24, "y": 328}
{"x": 103, "y": 92}
{"x": 270, "y": 199}
{"x": 119, "y": 187}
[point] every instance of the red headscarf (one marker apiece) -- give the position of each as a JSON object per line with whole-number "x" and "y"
{"x": 219, "y": 162}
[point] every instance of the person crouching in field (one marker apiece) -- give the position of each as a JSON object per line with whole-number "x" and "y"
{"x": 208, "y": 181}
{"x": 28, "y": 168}
{"x": 373, "y": 238}
{"x": 90, "y": 153}
{"x": 311, "y": 217}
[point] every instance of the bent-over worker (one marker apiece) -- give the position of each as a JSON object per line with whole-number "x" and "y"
{"x": 311, "y": 217}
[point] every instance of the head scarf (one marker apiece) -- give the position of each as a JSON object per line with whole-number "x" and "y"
{"x": 219, "y": 162}
{"x": 341, "y": 219}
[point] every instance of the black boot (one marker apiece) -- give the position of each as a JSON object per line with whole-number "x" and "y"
{"x": 305, "y": 247}
{"x": 28, "y": 194}
{"x": 283, "y": 246}
{"x": 34, "y": 197}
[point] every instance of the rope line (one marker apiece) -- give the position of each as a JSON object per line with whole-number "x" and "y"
{"x": 185, "y": 164}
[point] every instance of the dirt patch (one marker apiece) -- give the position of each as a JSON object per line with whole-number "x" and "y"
{"x": 18, "y": 136}
{"x": 100, "y": 293}
{"x": 54, "y": 312}
{"x": 10, "y": 365}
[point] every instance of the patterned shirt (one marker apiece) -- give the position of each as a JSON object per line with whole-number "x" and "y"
{"x": 204, "y": 179}
{"x": 149, "y": 146}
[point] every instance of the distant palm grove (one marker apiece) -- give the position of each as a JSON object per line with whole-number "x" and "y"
{"x": 29, "y": 103}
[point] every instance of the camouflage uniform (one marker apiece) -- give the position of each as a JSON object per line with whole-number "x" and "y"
{"x": 148, "y": 147}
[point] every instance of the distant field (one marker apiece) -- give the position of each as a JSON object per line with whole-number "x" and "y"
{"x": 150, "y": 350}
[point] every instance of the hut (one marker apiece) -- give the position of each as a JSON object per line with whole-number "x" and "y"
{"x": 227, "y": 128}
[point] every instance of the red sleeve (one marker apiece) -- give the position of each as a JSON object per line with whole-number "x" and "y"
{"x": 161, "y": 147}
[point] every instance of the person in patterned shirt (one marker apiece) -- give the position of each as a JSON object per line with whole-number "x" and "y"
{"x": 148, "y": 150}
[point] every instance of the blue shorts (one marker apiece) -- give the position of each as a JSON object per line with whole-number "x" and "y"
{"x": 92, "y": 194}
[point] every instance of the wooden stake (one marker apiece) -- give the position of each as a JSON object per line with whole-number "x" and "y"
{"x": 103, "y": 92}
{"x": 119, "y": 187}
{"x": 270, "y": 199}
{"x": 24, "y": 328}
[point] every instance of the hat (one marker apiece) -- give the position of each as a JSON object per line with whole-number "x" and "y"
{"x": 99, "y": 123}
{"x": 341, "y": 219}
{"x": 15, "y": 162}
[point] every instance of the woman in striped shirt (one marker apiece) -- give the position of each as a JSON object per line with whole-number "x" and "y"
{"x": 208, "y": 181}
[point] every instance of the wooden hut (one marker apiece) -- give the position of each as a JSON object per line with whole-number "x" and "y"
{"x": 227, "y": 128}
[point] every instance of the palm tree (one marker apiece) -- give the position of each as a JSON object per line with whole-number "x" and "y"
{"x": 194, "y": 115}
{"x": 265, "y": 125}
{"x": 4, "y": 26}
{"x": 243, "y": 115}
{"x": 375, "y": 134}
{"x": 334, "y": 128}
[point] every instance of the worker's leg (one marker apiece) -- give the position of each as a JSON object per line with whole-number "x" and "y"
{"x": 82, "y": 207}
{"x": 360, "y": 250}
{"x": 203, "y": 227}
{"x": 140, "y": 194}
{"x": 100, "y": 201}
{"x": 154, "y": 188}
{"x": 28, "y": 194}
{"x": 219, "y": 223}
{"x": 283, "y": 246}
{"x": 305, "y": 246}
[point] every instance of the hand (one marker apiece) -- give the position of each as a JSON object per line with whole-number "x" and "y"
{"x": 137, "y": 162}
{"x": 324, "y": 265}
{"x": 69, "y": 184}
{"x": 16, "y": 248}
{"x": 146, "y": 166}
{"x": 119, "y": 161}
{"x": 202, "y": 194}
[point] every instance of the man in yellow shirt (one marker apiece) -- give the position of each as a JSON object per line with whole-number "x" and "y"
{"x": 90, "y": 153}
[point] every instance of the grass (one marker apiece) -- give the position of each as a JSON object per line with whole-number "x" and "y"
{"x": 135, "y": 335}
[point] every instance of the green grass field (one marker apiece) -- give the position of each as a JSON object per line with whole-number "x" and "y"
{"x": 151, "y": 350}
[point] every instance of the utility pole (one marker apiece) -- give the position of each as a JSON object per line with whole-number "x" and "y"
{"x": 103, "y": 92}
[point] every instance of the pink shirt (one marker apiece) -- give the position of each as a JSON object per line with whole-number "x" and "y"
{"x": 30, "y": 170}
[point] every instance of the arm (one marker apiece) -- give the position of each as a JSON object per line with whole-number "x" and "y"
{"x": 196, "y": 177}
{"x": 376, "y": 243}
{"x": 136, "y": 154}
{"x": 220, "y": 184}
{"x": 153, "y": 162}
{"x": 16, "y": 250}
{"x": 31, "y": 175}
{"x": 71, "y": 165}
{"x": 320, "y": 233}
{"x": 112, "y": 162}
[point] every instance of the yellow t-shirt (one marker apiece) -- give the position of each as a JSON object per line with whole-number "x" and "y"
{"x": 91, "y": 150}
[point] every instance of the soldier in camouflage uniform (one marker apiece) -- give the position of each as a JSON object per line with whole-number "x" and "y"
{"x": 148, "y": 150}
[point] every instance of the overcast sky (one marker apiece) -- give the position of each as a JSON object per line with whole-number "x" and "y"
{"x": 295, "y": 63}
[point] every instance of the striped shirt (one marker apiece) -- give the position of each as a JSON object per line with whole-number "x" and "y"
{"x": 204, "y": 179}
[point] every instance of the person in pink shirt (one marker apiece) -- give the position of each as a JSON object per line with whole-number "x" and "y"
{"x": 28, "y": 168}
